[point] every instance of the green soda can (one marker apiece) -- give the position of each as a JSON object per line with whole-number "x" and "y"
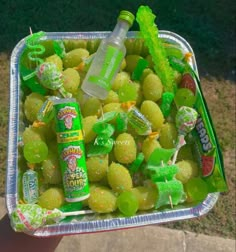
{"x": 71, "y": 149}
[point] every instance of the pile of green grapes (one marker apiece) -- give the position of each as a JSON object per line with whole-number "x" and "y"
{"x": 113, "y": 186}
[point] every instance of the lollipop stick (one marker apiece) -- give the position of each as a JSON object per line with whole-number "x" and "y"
{"x": 81, "y": 212}
{"x": 170, "y": 199}
{"x": 181, "y": 142}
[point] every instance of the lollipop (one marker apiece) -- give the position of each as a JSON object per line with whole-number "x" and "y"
{"x": 51, "y": 78}
{"x": 29, "y": 217}
{"x": 185, "y": 120}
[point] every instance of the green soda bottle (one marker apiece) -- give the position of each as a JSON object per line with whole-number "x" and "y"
{"x": 108, "y": 59}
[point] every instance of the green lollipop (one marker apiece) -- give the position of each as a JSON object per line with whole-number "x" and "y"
{"x": 49, "y": 77}
{"x": 185, "y": 120}
{"x": 29, "y": 217}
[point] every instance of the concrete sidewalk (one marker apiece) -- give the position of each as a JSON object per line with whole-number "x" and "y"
{"x": 148, "y": 239}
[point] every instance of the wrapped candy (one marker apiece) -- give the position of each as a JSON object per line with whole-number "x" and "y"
{"x": 141, "y": 65}
{"x": 137, "y": 120}
{"x": 30, "y": 186}
{"x": 29, "y": 217}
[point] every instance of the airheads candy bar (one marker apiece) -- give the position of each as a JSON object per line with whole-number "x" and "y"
{"x": 71, "y": 150}
{"x": 206, "y": 147}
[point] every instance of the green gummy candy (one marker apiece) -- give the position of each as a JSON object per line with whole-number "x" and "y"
{"x": 134, "y": 167}
{"x": 167, "y": 99}
{"x": 159, "y": 156}
{"x": 121, "y": 122}
{"x": 104, "y": 129}
{"x": 141, "y": 65}
{"x": 162, "y": 173}
{"x": 169, "y": 190}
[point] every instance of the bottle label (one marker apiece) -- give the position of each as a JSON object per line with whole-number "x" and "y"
{"x": 110, "y": 65}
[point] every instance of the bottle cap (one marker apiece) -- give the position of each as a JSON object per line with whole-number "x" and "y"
{"x": 127, "y": 16}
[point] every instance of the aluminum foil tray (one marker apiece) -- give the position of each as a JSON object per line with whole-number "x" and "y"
{"x": 94, "y": 222}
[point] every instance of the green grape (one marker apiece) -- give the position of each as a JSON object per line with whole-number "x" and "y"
{"x": 35, "y": 151}
{"x": 112, "y": 107}
{"x": 92, "y": 45}
{"x": 51, "y": 168}
{"x": 148, "y": 146}
{"x": 52, "y": 198}
{"x": 150, "y": 61}
{"x": 127, "y": 203}
{"x": 97, "y": 167}
{"x": 123, "y": 65}
{"x": 185, "y": 152}
{"x": 102, "y": 200}
{"x": 32, "y": 105}
{"x": 168, "y": 136}
{"x": 139, "y": 97}
{"x": 138, "y": 46}
{"x": 71, "y": 80}
{"x": 177, "y": 77}
{"x": 131, "y": 62}
{"x": 127, "y": 92}
{"x": 88, "y": 122}
{"x": 129, "y": 44}
{"x": 32, "y": 134}
{"x": 187, "y": 169}
{"x": 92, "y": 106}
{"x": 196, "y": 189}
{"x": 153, "y": 113}
{"x": 111, "y": 98}
{"x": 119, "y": 178}
{"x": 147, "y": 197}
{"x": 184, "y": 97}
{"x": 152, "y": 87}
{"x": 75, "y": 57}
{"x": 92, "y": 186}
{"x": 120, "y": 79}
{"x": 125, "y": 148}
{"x": 145, "y": 73}
{"x": 56, "y": 60}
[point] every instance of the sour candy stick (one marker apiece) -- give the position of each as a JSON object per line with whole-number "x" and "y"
{"x": 185, "y": 120}
{"x": 149, "y": 32}
{"x": 29, "y": 217}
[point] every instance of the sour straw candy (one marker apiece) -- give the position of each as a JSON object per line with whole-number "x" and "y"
{"x": 29, "y": 217}
{"x": 185, "y": 120}
{"x": 149, "y": 31}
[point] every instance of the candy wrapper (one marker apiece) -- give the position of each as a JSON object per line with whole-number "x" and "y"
{"x": 40, "y": 222}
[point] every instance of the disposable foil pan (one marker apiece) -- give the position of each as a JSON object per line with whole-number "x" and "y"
{"x": 95, "y": 222}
